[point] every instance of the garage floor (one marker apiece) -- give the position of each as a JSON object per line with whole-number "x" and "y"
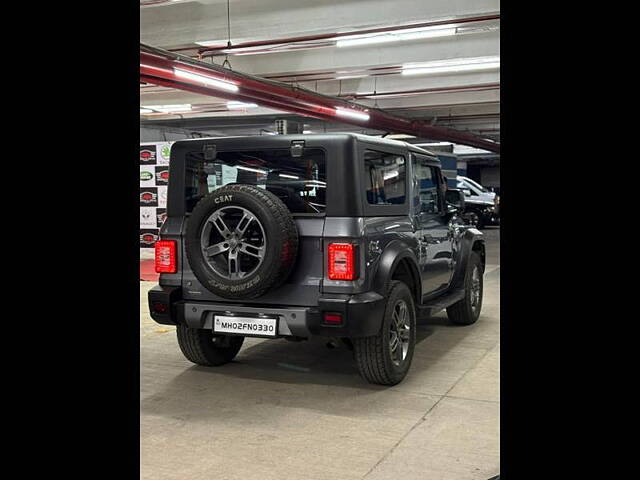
{"x": 301, "y": 411}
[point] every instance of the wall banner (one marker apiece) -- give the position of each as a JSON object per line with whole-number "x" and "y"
{"x": 154, "y": 178}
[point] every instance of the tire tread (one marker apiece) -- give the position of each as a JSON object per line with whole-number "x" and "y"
{"x": 370, "y": 351}
{"x": 460, "y": 313}
{"x": 197, "y": 347}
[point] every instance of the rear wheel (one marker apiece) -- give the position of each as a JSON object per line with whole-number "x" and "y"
{"x": 203, "y": 348}
{"x": 467, "y": 310}
{"x": 385, "y": 358}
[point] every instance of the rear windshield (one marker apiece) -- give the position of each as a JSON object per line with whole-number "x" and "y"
{"x": 300, "y": 182}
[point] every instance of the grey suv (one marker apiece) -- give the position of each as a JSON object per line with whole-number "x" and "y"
{"x": 344, "y": 236}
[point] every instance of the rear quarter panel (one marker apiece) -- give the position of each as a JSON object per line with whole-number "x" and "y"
{"x": 373, "y": 236}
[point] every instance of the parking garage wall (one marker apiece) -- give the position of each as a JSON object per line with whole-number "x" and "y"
{"x": 490, "y": 177}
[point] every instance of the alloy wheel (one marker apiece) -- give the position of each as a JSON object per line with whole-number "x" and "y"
{"x": 233, "y": 242}
{"x": 400, "y": 332}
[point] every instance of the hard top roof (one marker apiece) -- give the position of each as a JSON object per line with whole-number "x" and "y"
{"x": 322, "y": 136}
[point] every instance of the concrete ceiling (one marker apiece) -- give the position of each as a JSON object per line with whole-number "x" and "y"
{"x": 467, "y": 101}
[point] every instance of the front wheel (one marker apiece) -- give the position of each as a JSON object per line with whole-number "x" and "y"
{"x": 202, "y": 347}
{"x": 467, "y": 310}
{"x": 474, "y": 219}
{"x": 385, "y": 358}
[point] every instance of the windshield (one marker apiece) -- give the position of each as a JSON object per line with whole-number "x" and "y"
{"x": 300, "y": 182}
{"x": 475, "y": 184}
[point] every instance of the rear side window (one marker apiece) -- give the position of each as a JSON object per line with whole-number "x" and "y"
{"x": 425, "y": 179}
{"x": 385, "y": 178}
{"x": 300, "y": 182}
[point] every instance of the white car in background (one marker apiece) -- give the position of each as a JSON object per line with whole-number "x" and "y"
{"x": 481, "y": 205}
{"x": 473, "y": 189}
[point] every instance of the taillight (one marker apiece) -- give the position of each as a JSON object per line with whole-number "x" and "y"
{"x": 333, "y": 318}
{"x": 160, "y": 307}
{"x": 166, "y": 256}
{"x": 341, "y": 261}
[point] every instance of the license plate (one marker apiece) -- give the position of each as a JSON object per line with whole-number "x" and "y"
{"x": 247, "y": 326}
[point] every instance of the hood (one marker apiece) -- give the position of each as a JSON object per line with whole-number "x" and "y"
{"x": 489, "y": 203}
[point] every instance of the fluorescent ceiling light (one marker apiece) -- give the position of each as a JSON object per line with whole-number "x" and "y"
{"x": 145, "y": 110}
{"x": 400, "y": 34}
{"x": 451, "y": 66}
{"x": 167, "y": 108}
{"x": 212, "y": 82}
{"x": 347, "y": 77}
{"x": 433, "y": 144}
{"x": 235, "y": 105}
{"x": 284, "y": 175}
{"x": 306, "y": 131}
{"x": 399, "y": 136}
{"x": 465, "y": 149}
{"x": 347, "y": 112}
{"x": 251, "y": 170}
{"x": 395, "y": 36}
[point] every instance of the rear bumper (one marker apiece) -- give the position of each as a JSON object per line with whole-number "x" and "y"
{"x": 361, "y": 314}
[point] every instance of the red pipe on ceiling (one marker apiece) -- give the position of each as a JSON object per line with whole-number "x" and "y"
{"x": 218, "y": 49}
{"x": 423, "y": 91}
{"x": 265, "y": 102}
{"x": 158, "y": 67}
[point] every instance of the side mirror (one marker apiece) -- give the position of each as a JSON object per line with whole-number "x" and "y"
{"x": 467, "y": 192}
{"x": 454, "y": 199}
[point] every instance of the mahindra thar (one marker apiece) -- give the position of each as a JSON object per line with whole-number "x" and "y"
{"x": 343, "y": 236}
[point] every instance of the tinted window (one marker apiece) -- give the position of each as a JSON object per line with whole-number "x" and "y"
{"x": 300, "y": 182}
{"x": 385, "y": 178}
{"x": 426, "y": 184}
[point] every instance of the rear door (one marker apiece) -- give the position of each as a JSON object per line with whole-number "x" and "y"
{"x": 433, "y": 231}
{"x": 299, "y": 181}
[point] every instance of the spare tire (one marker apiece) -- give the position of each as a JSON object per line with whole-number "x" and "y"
{"x": 241, "y": 241}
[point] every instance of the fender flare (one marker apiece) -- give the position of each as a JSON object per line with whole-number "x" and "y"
{"x": 469, "y": 238}
{"x": 394, "y": 253}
